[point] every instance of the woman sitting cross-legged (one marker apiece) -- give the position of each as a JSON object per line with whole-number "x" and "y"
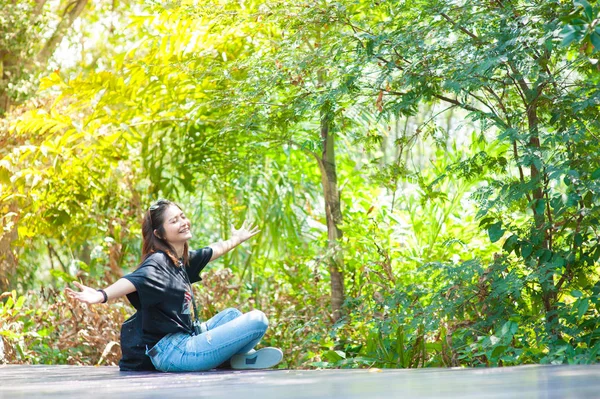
{"x": 162, "y": 334}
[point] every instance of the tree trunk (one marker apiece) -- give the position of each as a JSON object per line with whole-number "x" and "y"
{"x": 538, "y": 195}
{"x": 5, "y": 68}
{"x": 548, "y": 289}
{"x": 333, "y": 215}
{"x": 16, "y": 64}
{"x": 4, "y": 102}
{"x": 70, "y": 15}
{"x": 8, "y": 260}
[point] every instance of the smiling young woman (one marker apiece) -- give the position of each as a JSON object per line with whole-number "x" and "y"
{"x": 162, "y": 334}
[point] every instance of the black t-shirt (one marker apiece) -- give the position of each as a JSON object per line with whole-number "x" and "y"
{"x": 163, "y": 302}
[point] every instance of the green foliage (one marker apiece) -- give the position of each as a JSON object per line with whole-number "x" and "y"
{"x": 466, "y": 144}
{"x": 49, "y": 330}
{"x": 16, "y": 34}
{"x": 31, "y": 31}
{"x": 581, "y": 26}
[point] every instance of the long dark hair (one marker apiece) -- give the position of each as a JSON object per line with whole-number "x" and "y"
{"x": 154, "y": 220}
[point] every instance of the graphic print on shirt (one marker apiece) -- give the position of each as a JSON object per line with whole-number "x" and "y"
{"x": 187, "y": 303}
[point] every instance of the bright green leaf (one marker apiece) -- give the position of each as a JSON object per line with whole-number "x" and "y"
{"x": 495, "y": 231}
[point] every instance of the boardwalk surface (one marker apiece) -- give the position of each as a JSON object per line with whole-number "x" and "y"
{"x": 108, "y": 382}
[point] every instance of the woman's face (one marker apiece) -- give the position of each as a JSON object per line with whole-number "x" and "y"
{"x": 176, "y": 226}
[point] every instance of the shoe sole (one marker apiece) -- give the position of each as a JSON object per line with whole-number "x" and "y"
{"x": 261, "y": 359}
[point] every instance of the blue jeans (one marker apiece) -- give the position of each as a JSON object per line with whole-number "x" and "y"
{"x": 228, "y": 333}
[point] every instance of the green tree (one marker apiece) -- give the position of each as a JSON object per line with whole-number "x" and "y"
{"x": 24, "y": 52}
{"x": 224, "y": 102}
{"x": 30, "y": 33}
{"x": 507, "y": 65}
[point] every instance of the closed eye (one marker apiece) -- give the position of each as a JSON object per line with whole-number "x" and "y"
{"x": 174, "y": 220}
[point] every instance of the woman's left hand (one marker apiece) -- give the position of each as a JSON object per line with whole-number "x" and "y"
{"x": 247, "y": 231}
{"x": 238, "y": 236}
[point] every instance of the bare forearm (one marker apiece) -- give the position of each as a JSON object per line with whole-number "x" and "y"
{"x": 222, "y": 247}
{"x": 91, "y": 295}
{"x": 120, "y": 288}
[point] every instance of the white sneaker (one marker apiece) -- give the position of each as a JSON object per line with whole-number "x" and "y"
{"x": 263, "y": 358}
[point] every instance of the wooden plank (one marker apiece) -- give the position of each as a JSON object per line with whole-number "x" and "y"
{"x": 20, "y": 381}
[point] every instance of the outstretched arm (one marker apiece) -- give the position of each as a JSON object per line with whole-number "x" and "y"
{"x": 90, "y": 295}
{"x": 238, "y": 236}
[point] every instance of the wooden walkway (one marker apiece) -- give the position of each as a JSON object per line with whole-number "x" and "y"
{"x": 108, "y": 382}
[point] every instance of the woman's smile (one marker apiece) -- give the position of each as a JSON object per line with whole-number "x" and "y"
{"x": 176, "y": 226}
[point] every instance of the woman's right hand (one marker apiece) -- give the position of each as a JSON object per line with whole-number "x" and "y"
{"x": 86, "y": 295}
